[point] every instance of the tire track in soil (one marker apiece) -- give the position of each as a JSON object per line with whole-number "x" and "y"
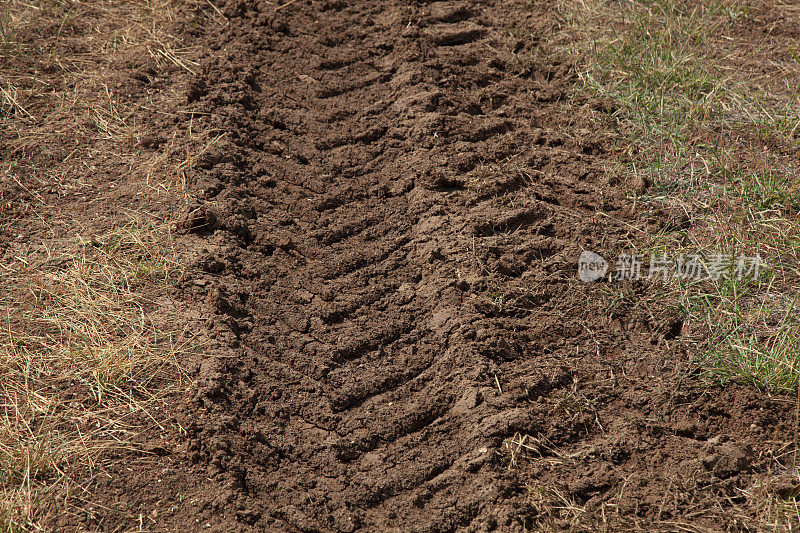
{"x": 388, "y": 240}
{"x": 367, "y": 397}
{"x": 367, "y": 376}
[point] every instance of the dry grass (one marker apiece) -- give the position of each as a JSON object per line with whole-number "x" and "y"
{"x": 74, "y": 86}
{"x": 83, "y": 360}
{"x": 89, "y": 344}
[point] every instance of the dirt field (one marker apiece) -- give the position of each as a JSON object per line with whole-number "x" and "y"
{"x": 378, "y": 208}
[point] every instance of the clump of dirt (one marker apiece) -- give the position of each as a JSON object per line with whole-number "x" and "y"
{"x": 387, "y": 235}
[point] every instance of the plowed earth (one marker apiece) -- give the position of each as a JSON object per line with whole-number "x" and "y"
{"x": 387, "y": 235}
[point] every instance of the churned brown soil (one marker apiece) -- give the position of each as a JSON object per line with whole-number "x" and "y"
{"x": 384, "y": 238}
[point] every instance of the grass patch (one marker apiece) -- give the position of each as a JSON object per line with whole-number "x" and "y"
{"x": 82, "y": 358}
{"x": 666, "y": 92}
{"x": 717, "y": 145}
